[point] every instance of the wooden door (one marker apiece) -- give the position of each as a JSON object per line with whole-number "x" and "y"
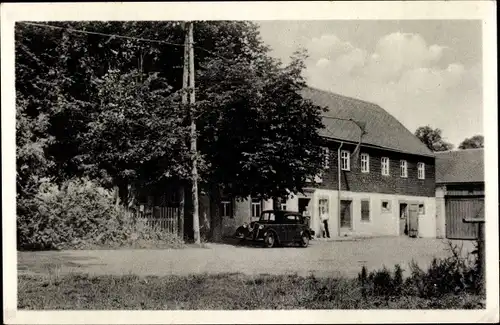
{"x": 403, "y": 219}
{"x": 346, "y": 215}
{"x": 458, "y": 208}
{"x": 413, "y": 220}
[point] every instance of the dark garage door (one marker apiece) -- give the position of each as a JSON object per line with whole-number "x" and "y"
{"x": 458, "y": 208}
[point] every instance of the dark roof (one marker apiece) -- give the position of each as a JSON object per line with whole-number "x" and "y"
{"x": 460, "y": 166}
{"x": 382, "y": 129}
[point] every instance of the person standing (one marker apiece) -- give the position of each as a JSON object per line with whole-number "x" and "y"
{"x": 306, "y": 216}
{"x": 324, "y": 219}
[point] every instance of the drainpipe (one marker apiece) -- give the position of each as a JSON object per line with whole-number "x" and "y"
{"x": 339, "y": 183}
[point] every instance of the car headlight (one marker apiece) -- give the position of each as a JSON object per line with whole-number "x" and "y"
{"x": 261, "y": 227}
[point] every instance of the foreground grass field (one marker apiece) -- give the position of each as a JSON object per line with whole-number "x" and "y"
{"x": 225, "y": 291}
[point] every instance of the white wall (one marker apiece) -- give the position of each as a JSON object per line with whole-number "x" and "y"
{"x": 381, "y": 223}
{"x": 440, "y": 212}
{"x": 427, "y": 222}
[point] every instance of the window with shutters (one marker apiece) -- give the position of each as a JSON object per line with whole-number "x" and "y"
{"x": 365, "y": 210}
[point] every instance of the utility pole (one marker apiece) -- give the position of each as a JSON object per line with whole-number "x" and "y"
{"x": 184, "y": 101}
{"x": 194, "y": 168}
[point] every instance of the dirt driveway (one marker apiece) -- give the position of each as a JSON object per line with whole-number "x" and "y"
{"x": 321, "y": 258}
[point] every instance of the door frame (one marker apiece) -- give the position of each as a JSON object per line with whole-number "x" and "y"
{"x": 400, "y": 202}
{"x": 328, "y": 211}
{"x": 413, "y": 204}
{"x": 408, "y": 204}
{"x": 344, "y": 230}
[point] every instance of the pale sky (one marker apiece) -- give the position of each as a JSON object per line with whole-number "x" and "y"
{"x": 422, "y": 72}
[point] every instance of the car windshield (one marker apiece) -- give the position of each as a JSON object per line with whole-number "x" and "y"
{"x": 267, "y": 216}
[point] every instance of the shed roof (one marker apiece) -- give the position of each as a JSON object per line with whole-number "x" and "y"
{"x": 460, "y": 166}
{"x": 382, "y": 129}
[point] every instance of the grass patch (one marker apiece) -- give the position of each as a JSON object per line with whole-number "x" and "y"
{"x": 216, "y": 292}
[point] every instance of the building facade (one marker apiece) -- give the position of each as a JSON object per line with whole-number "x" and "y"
{"x": 385, "y": 188}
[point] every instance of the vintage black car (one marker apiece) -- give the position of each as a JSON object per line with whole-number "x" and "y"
{"x": 276, "y": 227}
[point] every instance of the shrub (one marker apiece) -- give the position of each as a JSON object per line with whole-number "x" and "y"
{"x": 80, "y": 214}
{"x": 452, "y": 275}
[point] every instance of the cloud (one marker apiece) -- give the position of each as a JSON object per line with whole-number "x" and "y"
{"x": 404, "y": 75}
{"x": 328, "y": 46}
{"x": 397, "y": 52}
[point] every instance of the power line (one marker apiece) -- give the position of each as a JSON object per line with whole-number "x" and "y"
{"x": 124, "y": 37}
{"x": 104, "y": 34}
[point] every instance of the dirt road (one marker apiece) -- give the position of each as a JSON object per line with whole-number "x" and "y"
{"x": 321, "y": 258}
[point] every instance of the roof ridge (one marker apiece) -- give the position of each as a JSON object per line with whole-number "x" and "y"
{"x": 459, "y": 150}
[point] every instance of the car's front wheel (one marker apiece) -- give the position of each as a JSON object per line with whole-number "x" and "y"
{"x": 304, "y": 241}
{"x": 270, "y": 240}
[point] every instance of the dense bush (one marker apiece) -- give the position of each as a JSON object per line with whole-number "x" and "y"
{"x": 452, "y": 275}
{"x": 80, "y": 214}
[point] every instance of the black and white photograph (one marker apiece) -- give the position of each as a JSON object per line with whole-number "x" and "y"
{"x": 257, "y": 162}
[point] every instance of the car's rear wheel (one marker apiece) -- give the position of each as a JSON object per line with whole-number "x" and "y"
{"x": 270, "y": 240}
{"x": 304, "y": 241}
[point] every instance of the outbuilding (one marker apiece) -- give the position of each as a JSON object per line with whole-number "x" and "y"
{"x": 459, "y": 192}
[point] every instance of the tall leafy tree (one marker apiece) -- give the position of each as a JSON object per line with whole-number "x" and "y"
{"x": 476, "y": 141}
{"x": 259, "y": 135}
{"x": 432, "y": 138}
{"x": 137, "y": 129}
{"x": 111, "y": 109}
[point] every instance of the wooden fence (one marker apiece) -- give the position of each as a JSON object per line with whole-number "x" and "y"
{"x": 166, "y": 218}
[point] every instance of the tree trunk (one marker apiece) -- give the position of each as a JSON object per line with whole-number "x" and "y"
{"x": 215, "y": 217}
{"x": 131, "y": 196}
{"x": 116, "y": 193}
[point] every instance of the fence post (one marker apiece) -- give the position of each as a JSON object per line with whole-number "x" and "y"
{"x": 481, "y": 249}
{"x": 480, "y": 245}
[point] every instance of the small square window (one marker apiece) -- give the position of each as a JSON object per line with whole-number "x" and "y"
{"x": 421, "y": 209}
{"x": 386, "y": 206}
